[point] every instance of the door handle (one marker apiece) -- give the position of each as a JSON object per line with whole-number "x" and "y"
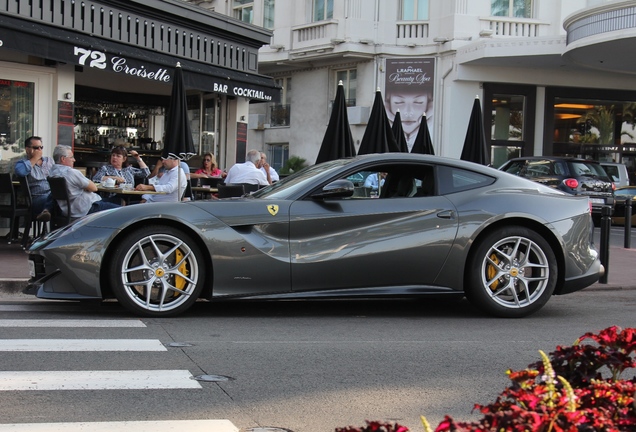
{"x": 448, "y": 214}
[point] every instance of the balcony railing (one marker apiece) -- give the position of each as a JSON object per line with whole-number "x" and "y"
{"x": 411, "y": 32}
{"x": 314, "y": 34}
{"x": 512, "y": 27}
{"x": 106, "y": 21}
{"x": 279, "y": 115}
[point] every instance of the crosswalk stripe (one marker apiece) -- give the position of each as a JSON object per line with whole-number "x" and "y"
{"x": 129, "y": 426}
{"x": 70, "y": 323}
{"x": 21, "y": 345}
{"x": 97, "y": 380}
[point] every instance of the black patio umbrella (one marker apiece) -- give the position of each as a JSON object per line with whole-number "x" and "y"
{"x": 475, "y": 148}
{"x": 337, "y": 142}
{"x": 378, "y": 136}
{"x": 423, "y": 143}
{"x": 178, "y": 142}
{"x": 398, "y": 133}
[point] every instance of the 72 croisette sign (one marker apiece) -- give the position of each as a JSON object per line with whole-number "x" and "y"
{"x": 131, "y": 67}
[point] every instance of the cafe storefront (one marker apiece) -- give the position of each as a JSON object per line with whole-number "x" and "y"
{"x": 598, "y": 124}
{"x": 94, "y": 73}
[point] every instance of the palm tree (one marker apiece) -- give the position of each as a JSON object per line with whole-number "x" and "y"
{"x": 602, "y": 118}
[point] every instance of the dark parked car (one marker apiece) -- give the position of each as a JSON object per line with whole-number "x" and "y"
{"x": 438, "y": 226}
{"x": 571, "y": 175}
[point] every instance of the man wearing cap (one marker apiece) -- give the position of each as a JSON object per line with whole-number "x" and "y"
{"x": 173, "y": 183}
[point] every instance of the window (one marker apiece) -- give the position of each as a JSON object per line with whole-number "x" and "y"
{"x": 509, "y": 110}
{"x": 350, "y": 84}
{"x": 278, "y": 154}
{"x": 16, "y": 116}
{"x": 244, "y": 10}
{"x": 511, "y": 8}
{"x": 593, "y": 121}
{"x": 268, "y": 14}
{"x": 323, "y": 10}
{"x": 279, "y": 114}
{"x": 414, "y": 10}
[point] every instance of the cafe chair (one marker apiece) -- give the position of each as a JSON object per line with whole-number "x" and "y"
{"x": 209, "y": 181}
{"x": 187, "y": 193}
{"x": 231, "y": 190}
{"x": 13, "y": 210}
{"x": 60, "y": 196}
{"x": 39, "y": 228}
{"x": 249, "y": 187}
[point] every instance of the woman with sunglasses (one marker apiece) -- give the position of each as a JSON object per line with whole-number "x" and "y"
{"x": 120, "y": 171}
{"x": 208, "y": 168}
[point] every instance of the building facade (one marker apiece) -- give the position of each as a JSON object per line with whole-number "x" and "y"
{"x": 554, "y": 76}
{"x": 94, "y": 73}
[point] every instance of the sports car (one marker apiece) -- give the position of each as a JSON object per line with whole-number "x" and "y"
{"x": 437, "y": 226}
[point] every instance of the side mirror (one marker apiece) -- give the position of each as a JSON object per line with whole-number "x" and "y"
{"x": 336, "y": 189}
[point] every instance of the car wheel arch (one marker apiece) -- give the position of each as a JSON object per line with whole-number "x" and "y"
{"x": 538, "y": 227}
{"x": 104, "y": 276}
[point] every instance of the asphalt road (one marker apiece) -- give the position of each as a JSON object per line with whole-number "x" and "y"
{"x": 300, "y": 366}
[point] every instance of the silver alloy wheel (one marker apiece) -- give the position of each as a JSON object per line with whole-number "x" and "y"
{"x": 159, "y": 272}
{"x": 515, "y": 272}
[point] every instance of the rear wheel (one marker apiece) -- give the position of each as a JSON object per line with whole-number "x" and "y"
{"x": 511, "y": 273}
{"x": 157, "y": 271}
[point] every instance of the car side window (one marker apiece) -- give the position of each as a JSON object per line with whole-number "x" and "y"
{"x": 452, "y": 180}
{"x": 393, "y": 181}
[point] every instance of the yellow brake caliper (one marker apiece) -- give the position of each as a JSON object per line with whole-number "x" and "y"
{"x": 492, "y": 271}
{"x": 180, "y": 282}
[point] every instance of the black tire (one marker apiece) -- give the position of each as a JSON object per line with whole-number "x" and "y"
{"x": 161, "y": 261}
{"x": 511, "y": 273}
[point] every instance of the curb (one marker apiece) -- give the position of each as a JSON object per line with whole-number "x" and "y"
{"x": 12, "y": 286}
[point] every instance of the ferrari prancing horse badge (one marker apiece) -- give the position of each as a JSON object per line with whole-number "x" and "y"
{"x": 272, "y": 209}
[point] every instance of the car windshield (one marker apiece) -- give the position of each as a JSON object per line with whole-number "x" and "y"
{"x": 297, "y": 181}
{"x": 587, "y": 169}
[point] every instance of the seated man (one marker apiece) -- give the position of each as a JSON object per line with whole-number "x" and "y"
{"x": 375, "y": 180}
{"x": 81, "y": 191}
{"x": 36, "y": 168}
{"x": 249, "y": 171}
{"x": 173, "y": 182}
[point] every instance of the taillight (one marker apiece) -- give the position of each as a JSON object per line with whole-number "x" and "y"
{"x": 589, "y": 203}
{"x": 613, "y": 186}
{"x": 571, "y": 183}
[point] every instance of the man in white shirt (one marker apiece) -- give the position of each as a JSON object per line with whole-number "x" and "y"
{"x": 173, "y": 182}
{"x": 249, "y": 171}
{"x": 272, "y": 172}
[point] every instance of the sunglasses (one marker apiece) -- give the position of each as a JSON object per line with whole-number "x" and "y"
{"x": 36, "y": 147}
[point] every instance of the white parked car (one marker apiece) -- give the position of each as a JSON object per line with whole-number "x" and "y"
{"x": 617, "y": 172}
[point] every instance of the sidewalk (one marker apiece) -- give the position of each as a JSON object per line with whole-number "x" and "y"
{"x": 14, "y": 270}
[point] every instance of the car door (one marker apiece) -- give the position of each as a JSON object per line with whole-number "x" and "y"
{"x": 369, "y": 242}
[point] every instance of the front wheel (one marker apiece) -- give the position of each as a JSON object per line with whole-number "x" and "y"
{"x": 157, "y": 271}
{"x": 511, "y": 273}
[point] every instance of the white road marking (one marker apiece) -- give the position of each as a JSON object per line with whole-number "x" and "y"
{"x": 70, "y": 323}
{"x": 129, "y": 426}
{"x": 97, "y": 380}
{"x": 20, "y": 345}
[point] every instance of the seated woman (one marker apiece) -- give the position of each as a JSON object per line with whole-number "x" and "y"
{"x": 208, "y": 168}
{"x": 120, "y": 171}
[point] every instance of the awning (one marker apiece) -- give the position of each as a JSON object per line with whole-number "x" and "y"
{"x": 88, "y": 52}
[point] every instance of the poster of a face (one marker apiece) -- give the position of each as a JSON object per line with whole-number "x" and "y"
{"x": 409, "y": 89}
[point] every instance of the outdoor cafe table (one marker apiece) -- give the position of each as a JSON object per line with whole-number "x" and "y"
{"x": 122, "y": 191}
{"x": 204, "y": 190}
{"x": 126, "y": 194}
